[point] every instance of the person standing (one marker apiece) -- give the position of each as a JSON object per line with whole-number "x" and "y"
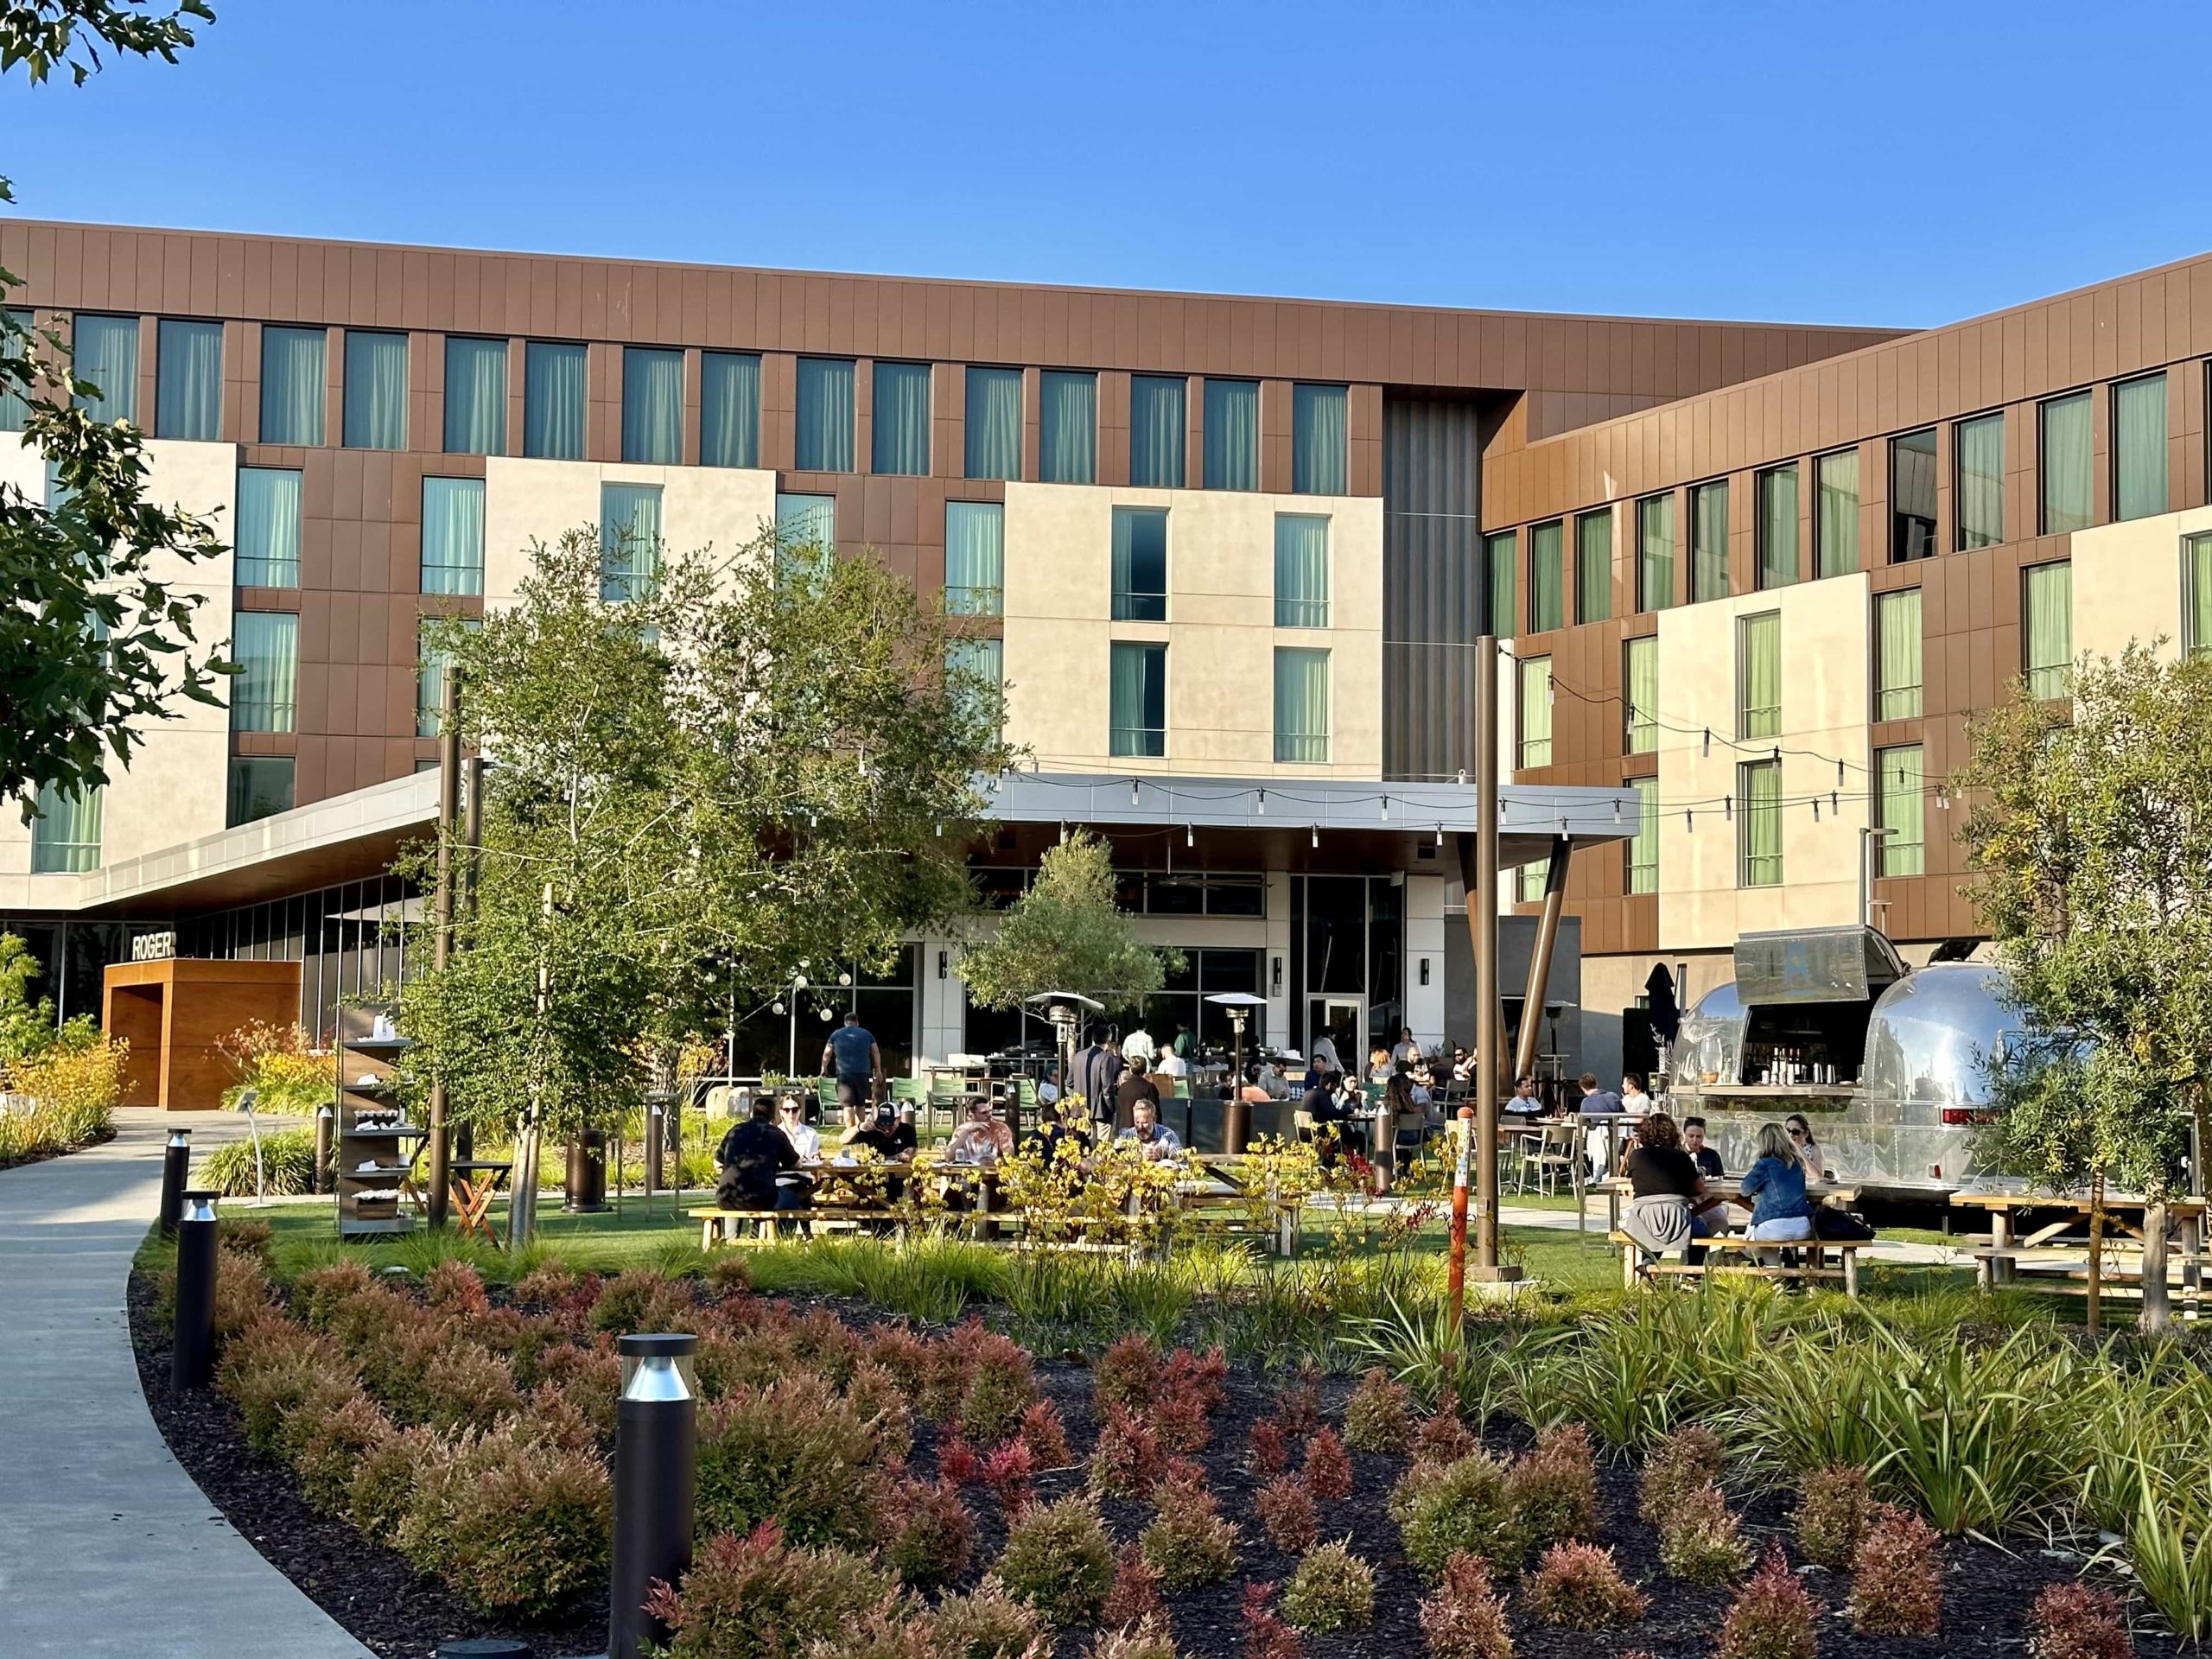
{"x": 1134, "y": 1089}
{"x": 1097, "y": 1075}
{"x": 1405, "y": 1050}
{"x": 1137, "y": 1049}
{"x": 1634, "y": 1101}
{"x": 851, "y": 1056}
{"x": 1184, "y": 1043}
{"x": 1599, "y": 1142}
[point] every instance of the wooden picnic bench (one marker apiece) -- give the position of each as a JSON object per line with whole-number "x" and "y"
{"x": 2055, "y": 1255}
{"x": 720, "y": 1226}
{"x": 1814, "y": 1251}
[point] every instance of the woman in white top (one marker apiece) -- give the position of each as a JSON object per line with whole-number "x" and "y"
{"x": 1173, "y": 1065}
{"x": 1808, "y": 1150}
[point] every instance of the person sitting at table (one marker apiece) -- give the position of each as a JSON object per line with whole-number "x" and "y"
{"x": 1258, "y": 1091}
{"x": 1147, "y": 1132}
{"x": 881, "y": 1133}
{"x": 1525, "y": 1099}
{"x": 1379, "y": 1064}
{"x": 1269, "y": 1081}
{"x": 1463, "y": 1063}
{"x": 1774, "y": 1187}
{"x": 981, "y": 1138}
{"x": 1599, "y": 1142}
{"x": 1048, "y": 1086}
{"x": 752, "y": 1156}
{"x": 1063, "y": 1126}
{"x": 1134, "y": 1087}
{"x": 806, "y": 1142}
{"x": 1634, "y": 1101}
{"x": 1808, "y": 1150}
{"x": 1664, "y": 1185}
{"x": 1706, "y": 1159}
{"x": 1332, "y": 1105}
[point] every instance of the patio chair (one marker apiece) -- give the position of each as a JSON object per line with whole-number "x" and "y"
{"x": 1548, "y": 1158}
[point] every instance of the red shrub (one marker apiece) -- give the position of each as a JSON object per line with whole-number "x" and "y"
{"x": 1773, "y": 1616}
{"x": 1442, "y": 1438}
{"x": 1042, "y": 1432}
{"x": 905, "y": 1356}
{"x": 957, "y": 1462}
{"x": 983, "y": 1383}
{"x": 1127, "y": 1459}
{"x": 1896, "y": 1581}
{"x": 1182, "y": 1472}
{"x": 1287, "y": 1516}
{"x": 1266, "y": 1452}
{"x": 1007, "y": 1471}
{"x": 1135, "y": 1594}
{"x": 1683, "y": 1463}
{"x": 452, "y": 1286}
{"x": 1266, "y": 1636}
{"x": 1328, "y": 1466}
{"x": 930, "y": 1535}
{"x": 1298, "y": 1410}
{"x": 1834, "y": 1511}
{"x": 1203, "y": 1375}
{"x": 1579, "y": 1587}
{"x": 1178, "y": 1420}
{"x": 2077, "y": 1621}
{"x": 1554, "y": 1487}
{"x": 1465, "y": 1619}
{"x": 1127, "y": 1374}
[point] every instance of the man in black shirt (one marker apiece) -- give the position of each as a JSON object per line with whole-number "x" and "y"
{"x": 1097, "y": 1075}
{"x": 882, "y": 1132}
{"x": 752, "y": 1156}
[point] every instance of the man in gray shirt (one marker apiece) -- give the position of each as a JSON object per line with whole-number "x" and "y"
{"x": 853, "y": 1059}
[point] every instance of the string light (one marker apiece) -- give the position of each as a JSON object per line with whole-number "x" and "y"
{"x": 1707, "y": 754}
{"x": 1316, "y": 835}
{"x": 1439, "y": 834}
{"x": 1263, "y": 807}
{"x": 1817, "y": 809}
{"x": 1134, "y": 798}
{"x": 1728, "y": 808}
{"x": 1617, "y": 808}
{"x": 1386, "y": 808}
{"x": 1190, "y": 837}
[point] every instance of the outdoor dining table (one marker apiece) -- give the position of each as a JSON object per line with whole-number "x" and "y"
{"x": 2008, "y": 1208}
{"x": 476, "y": 1182}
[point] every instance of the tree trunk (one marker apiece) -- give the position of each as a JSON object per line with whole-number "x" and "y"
{"x": 2156, "y": 1308}
{"x": 2096, "y": 1252}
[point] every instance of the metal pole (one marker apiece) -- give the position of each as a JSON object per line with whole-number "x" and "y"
{"x": 1868, "y": 835}
{"x": 442, "y": 939}
{"x": 325, "y": 1121}
{"x": 193, "y": 1351}
{"x": 655, "y": 1447}
{"x": 176, "y": 1158}
{"x": 1540, "y": 961}
{"x": 1482, "y": 917}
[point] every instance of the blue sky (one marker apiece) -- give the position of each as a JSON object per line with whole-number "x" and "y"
{"x": 1885, "y": 164}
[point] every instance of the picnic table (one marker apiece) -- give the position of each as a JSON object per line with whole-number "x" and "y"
{"x": 2051, "y": 1251}
{"x": 476, "y": 1182}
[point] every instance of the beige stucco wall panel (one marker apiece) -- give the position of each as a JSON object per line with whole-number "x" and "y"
{"x": 2128, "y": 583}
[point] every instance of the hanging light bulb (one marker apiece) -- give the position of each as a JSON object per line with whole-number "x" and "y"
{"x": 1263, "y": 807}
{"x": 1817, "y": 809}
{"x": 1833, "y": 803}
{"x": 776, "y": 1007}
{"x": 799, "y": 983}
{"x": 1728, "y": 808}
{"x": 1317, "y": 834}
{"x": 1064, "y": 829}
{"x": 1689, "y": 822}
{"x": 844, "y": 979}
{"x": 1617, "y": 809}
{"x": 1134, "y": 798}
{"x": 1462, "y": 778}
{"x": 1839, "y": 774}
{"x": 940, "y": 832}
{"x": 1386, "y": 808}
{"x": 1776, "y": 756}
{"x": 1708, "y": 743}
{"x": 1190, "y": 837}
{"x": 824, "y": 1012}
{"x": 1439, "y": 834}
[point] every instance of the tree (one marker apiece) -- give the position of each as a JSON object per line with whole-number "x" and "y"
{"x": 2091, "y": 840}
{"x": 1066, "y": 934}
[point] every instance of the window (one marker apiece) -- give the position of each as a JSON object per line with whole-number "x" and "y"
{"x": 1156, "y": 434}
{"x": 267, "y": 552}
{"x": 1528, "y": 881}
{"x": 1758, "y": 675}
{"x": 1912, "y": 496}
{"x": 1777, "y": 496}
{"x": 1896, "y": 654}
{"x": 1643, "y": 845}
{"x": 1546, "y": 580}
{"x": 1835, "y": 513}
{"x": 824, "y": 438}
{"x": 1232, "y": 434}
{"x": 1318, "y": 440}
{"x": 2068, "y": 468}
{"x": 2196, "y": 594}
{"x": 1302, "y": 707}
{"x": 994, "y": 424}
{"x": 1301, "y": 571}
{"x": 1067, "y": 429}
{"x": 453, "y": 534}
{"x": 975, "y": 558}
{"x": 430, "y": 676}
{"x": 376, "y": 391}
{"x": 1899, "y": 808}
{"x": 902, "y": 419}
{"x": 1641, "y": 675}
{"x": 476, "y": 396}
{"x": 264, "y": 690}
{"x": 1499, "y": 550}
{"x": 105, "y": 351}
{"x": 1594, "y": 566}
{"x": 1758, "y": 824}
{"x": 1138, "y": 694}
{"x": 14, "y": 412}
{"x": 806, "y": 534}
{"x": 261, "y": 784}
{"x": 1535, "y": 713}
{"x": 188, "y": 380}
{"x": 292, "y": 385}
{"x": 2047, "y": 626}
{"x": 1140, "y": 564}
{"x": 729, "y": 409}
{"x": 1709, "y": 541}
{"x": 65, "y": 836}
{"x": 975, "y": 670}
{"x": 2138, "y": 447}
{"x": 653, "y": 405}
{"x": 1981, "y": 488}
{"x": 629, "y": 539}
{"x": 1654, "y": 553}
{"x": 553, "y": 376}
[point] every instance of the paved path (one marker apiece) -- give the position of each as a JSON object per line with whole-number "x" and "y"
{"x": 107, "y": 1549}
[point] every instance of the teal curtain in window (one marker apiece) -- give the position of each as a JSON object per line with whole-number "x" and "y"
{"x": 1709, "y": 541}
{"x": 1896, "y": 654}
{"x": 267, "y": 552}
{"x": 729, "y": 409}
{"x": 1643, "y": 694}
{"x": 1140, "y": 567}
{"x": 57, "y": 494}
{"x": 2138, "y": 419}
{"x": 994, "y": 424}
{"x": 292, "y": 379}
{"x": 975, "y": 669}
{"x": 653, "y": 405}
{"x": 1980, "y": 444}
{"x": 806, "y": 535}
{"x": 1759, "y": 676}
{"x": 1301, "y": 571}
{"x": 376, "y": 391}
{"x": 2196, "y": 597}
{"x": 2069, "y": 464}
{"x": 1594, "y": 566}
{"x": 1319, "y": 440}
{"x": 1902, "y": 808}
{"x": 1156, "y": 432}
{"x": 1758, "y": 812}
{"x": 105, "y": 353}
{"x": 1067, "y": 435}
{"x": 1546, "y": 576}
{"x": 629, "y": 539}
{"x": 825, "y": 414}
{"x": 1654, "y": 553}
{"x": 66, "y": 838}
{"x": 261, "y": 784}
{"x": 1501, "y": 551}
{"x": 902, "y": 419}
{"x": 267, "y": 646}
{"x": 476, "y": 396}
{"x": 1534, "y": 677}
{"x": 553, "y": 380}
{"x": 1835, "y": 513}
{"x": 1232, "y": 434}
{"x": 1644, "y": 846}
{"x": 13, "y": 410}
{"x": 975, "y": 558}
{"x": 2048, "y": 627}
{"x": 188, "y": 381}
{"x": 453, "y": 534}
{"x": 1137, "y": 695}
{"x": 1302, "y": 707}
{"x": 1777, "y": 491}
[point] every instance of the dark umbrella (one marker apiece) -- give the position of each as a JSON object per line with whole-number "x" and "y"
{"x": 1666, "y": 1016}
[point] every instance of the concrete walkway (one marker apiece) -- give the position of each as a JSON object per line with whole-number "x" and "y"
{"x": 107, "y": 1548}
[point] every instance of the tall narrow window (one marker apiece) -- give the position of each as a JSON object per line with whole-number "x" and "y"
{"x": 1758, "y": 824}
{"x": 188, "y": 380}
{"x": 729, "y": 409}
{"x": 453, "y": 534}
{"x": 1912, "y": 495}
{"x": 65, "y": 836}
{"x": 1529, "y": 882}
{"x": 1642, "y": 675}
{"x": 1137, "y": 695}
{"x": 1643, "y": 845}
{"x": 105, "y": 351}
{"x": 629, "y": 539}
{"x": 1156, "y": 431}
{"x": 476, "y": 396}
{"x": 902, "y": 419}
{"x": 1758, "y": 675}
{"x": 267, "y": 552}
{"x": 1140, "y": 564}
{"x": 653, "y": 405}
{"x": 260, "y": 787}
{"x": 1709, "y": 541}
{"x": 2069, "y": 463}
{"x": 975, "y": 558}
{"x": 1896, "y": 654}
{"x": 824, "y": 437}
{"x": 1546, "y": 576}
{"x": 994, "y": 424}
{"x": 292, "y": 381}
{"x": 1981, "y": 489}
{"x": 1067, "y": 427}
{"x": 2138, "y": 447}
{"x": 1232, "y": 434}
{"x": 430, "y": 665}
{"x": 1835, "y": 513}
{"x": 265, "y": 691}
{"x": 1899, "y": 808}
{"x": 1654, "y": 553}
{"x": 14, "y": 412}
{"x": 1594, "y": 566}
{"x": 2196, "y": 594}
{"x": 806, "y": 534}
{"x": 1301, "y": 571}
{"x": 1500, "y": 549}
{"x": 1777, "y": 494}
{"x": 2047, "y": 627}
{"x": 1535, "y": 749}
{"x": 376, "y": 391}
{"x": 554, "y": 375}
{"x": 1302, "y": 707}
{"x": 1319, "y": 440}
{"x": 974, "y": 669}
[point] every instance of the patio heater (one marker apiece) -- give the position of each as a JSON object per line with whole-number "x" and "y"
{"x": 1065, "y": 1010}
{"x": 1236, "y": 1111}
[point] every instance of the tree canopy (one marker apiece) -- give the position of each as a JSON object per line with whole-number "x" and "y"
{"x": 1066, "y": 934}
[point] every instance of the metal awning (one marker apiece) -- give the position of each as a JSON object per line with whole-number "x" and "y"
{"x": 1849, "y": 963}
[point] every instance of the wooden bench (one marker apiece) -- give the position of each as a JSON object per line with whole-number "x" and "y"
{"x": 2064, "y": 1268}
{"x": 720, "y": 1226}
{"x": 1815, "y": 1250}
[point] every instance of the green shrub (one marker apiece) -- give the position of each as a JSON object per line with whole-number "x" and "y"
{"x": 381, "y": 1490}
{"x": 1442, "y": 1438}
{"x": 510, "y": 1524}
{"x": 988, "y": 1624}
{"x": 589, "y": 1378}
{"x": 1554, "y": 1489}
{"x": 1834, "y": 1508}
{"x": 1149, "y": 1639}
{"x": 1127, "y": 1375}
{"x": 930, "y": 1535}
{"x": 1678, "y": 1465}
{"x": 455, "y": 1287}
{"x": 269, "y": 1369}
{"x": 334, "y": 1443}
{"x": 1464, "y": 1617}
{"x": 1287, "y": 1514}
{"x": 287, "y": 1165}
{"x": 319, "y": 1294}
{"x": 1773, "y": 1616}
{"x": 1896, "y": 1579}
{"x": 1378, "y": 1416}
{"x": 2076, "y": 1621}
{"x": 466, "y": 1385}
{"x": 1445, "y": 1509}
{"x": 1188, "y": 1542}
{"x": 1701, "y": 1541}
{"x": 1331, "y": 1590}
{"x": 794, "y": 1454}
{"x": 1579, "y": 1587}
{"x": 1058, "y": 1560}
{"x": 756, "y": 1597}
{"x": 641, "y": 1300}
{"x": 242, "y": 1297}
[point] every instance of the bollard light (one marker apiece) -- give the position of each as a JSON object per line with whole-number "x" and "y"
{"x": 656, "y": 1448}
{"x": 484, "y": 1647}
{"x": 176, "y": 1158}
{"x": 325, "y": 1124}
{"x": 193, "y": 1351}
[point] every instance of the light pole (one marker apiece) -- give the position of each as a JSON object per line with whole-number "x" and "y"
{"x": 1868, "y": 835}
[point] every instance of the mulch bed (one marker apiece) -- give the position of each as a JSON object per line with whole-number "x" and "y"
{"x": 395, "y": 1612}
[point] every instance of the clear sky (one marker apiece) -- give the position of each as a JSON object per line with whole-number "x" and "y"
{"x": 1903, "y": 164}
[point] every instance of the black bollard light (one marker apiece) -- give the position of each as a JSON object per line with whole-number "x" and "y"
{"x": 655, "y": 1446}
{"x": 176, "y": 1158}
{"x": 325, "y": 1121}
{"x": 484, "y": 1647}
{"x": 192, "y": 1353}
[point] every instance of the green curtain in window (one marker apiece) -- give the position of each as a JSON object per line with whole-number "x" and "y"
{"x": 976, "y": 671}
{"x": 553, "y": 379}
{"x": 1319, "y": 441}
{"x": 806, "y": 535}
{"x": 1067, "y": 432}
{"x": 2049, "y": 626}
{"x": 105, "y": 352}
{"x": 1594, "y": 566}
{"x": 1137, "y": 695}
{"x": 1643, "y": 694}
{"x": 1644, "y": 846}
{"x": 2139, "y": 441}
{"x": 2196, "y": 553}
{"x": 260, "y": 784}
{"x": 1654, "y": 553}
{"x": 1301, "y": 571}
{"x": 825, "y": 414}
{"x": 1777, "y": 492}
{"x": 994, "y": 424}
{"x": 1156, "y": 432}
{"x": 1500, "y": 551}
{"x": 1536, "y": 680}
{"x": 13, "y": 410}
{"x": 1709, "y": 541}
{"x": 267, "y": 646}
{"x": 1760, "y": 809}
{"x": 653, "y": 405}
{"x": 292, "y": 378}
{"x": 1232, "y": 434}
{"x": 66, "y": 838}
{"x": 267, "y": 552}
{"x": 2068, "y": 477}
{"x": 1981, "y": 481}
{"x": 1547, "y": 555}
{"x": 1835, "y": 513}
{"x": 1140, "y": 564}
{"x": 453, "y": 534}
{"x": 376, "y": 391}
{"x": 1302, "y": 707}
{"x": 629, "y": 539}
{"x": 188, "y": 380}
{"x": 729, "y": 409}
{"x": 429, "y": 682}
{"x": 902, "y": 419}
{"x": 1897, "y": 625}
{"x": 975, "y": 557}
{"x": 1759, "y": 682}
{"x": 1897, "y": 782}
{"x": 476, "y": 396}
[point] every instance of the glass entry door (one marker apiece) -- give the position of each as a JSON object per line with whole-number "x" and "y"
{"x": 1343, "y": 1020}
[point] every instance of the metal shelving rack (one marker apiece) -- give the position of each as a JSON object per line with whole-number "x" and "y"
{"x": 365, "y": 1090}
